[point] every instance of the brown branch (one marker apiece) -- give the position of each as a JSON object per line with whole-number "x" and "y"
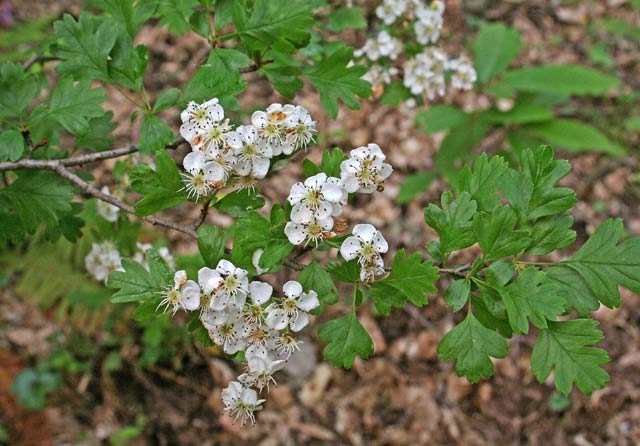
{"x": 93, "y": 191}
{"x": 61, "y": 167}
{"x": 203, "y": 213}
{"x": 79, "y": 160}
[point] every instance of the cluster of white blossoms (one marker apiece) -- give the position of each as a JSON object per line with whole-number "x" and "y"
{"x": 316, "y": 202}
{"x": 423, "y": 74}
{"x": 240, "y": 315}
{"x": 107, "y": 210}
{"x": 104, "y": 258}
{"x": 221, "y": 152}
{"x": 383, "y": 45}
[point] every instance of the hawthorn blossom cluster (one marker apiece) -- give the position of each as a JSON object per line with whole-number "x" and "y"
{"x": 222, "y": 152}
{"x": 423, "y": 74}
{"x": 104, "y": 258}
{"x": 317, "y": 201}
{"x": 240, "y": 315}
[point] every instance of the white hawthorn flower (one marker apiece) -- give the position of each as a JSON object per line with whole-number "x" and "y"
{"x": 253, "y": 155}
{"x": 315, "y": 198}
{"x": 366, "y": 244}
{"x": 241, "y": 402}
{"x": 102, "y": 260}
{"x": 259, "y": 294}
{"x": 106, "y": 210}
{"x": 198, "y": 117}
{"x": 293, "y": 310}
{"x": 312, "y": 232}
{"x": 464, "y": 74}
{"x": 378, "y": 75}
{"x": 384, "y": 45}
{"x": 300, "y": 129}
{"x": 227, "y": 328}
{"x": 227, "y": 285}
{"x": 424, "y": 74}
{"x": 260, "y": 370}
{"x": 286, "y": 344}
{"x": 428, "y": 26}
{"x": 271, "y": 123}
{"x": 365, "y": 170}
{"x": 200, "y": 174}
{"x": 390, "y": 10}
{"x": 184, "y": 294}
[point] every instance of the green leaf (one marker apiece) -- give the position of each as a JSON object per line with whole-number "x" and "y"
{"x": 72, "y": 105}
{"x": 347, "y": 338}
{"x": 496, "y": 233}
{"x": 283, "y": 25}
{"x": 561, "y": 79}
{"x": 604, "y": 263}
{"x": 315, "y": 277}
{"x": 551, "y": 233}
{"x": 520, "y": 114}
{"x": 331, "y": 161}
{"x": 309, "y": 168}
{"x": 563, "y": 348}
{"x": 32, "y": 387}
{"x": 457, "y": 145}
{"x": 411, "y": 279}
{"x": 84, "y": 46}
{"x": 161, "y": 189}
{"x": 346, "y": 18}
{"x": 17, "y": 89}
{"x": 440, "y": 117}
{"x": 239, "y": 202}
{"x": 336, "y": 80}
{"x": 348, "y": 272}
{"x": 533, "y": 192}
{"x": 219, "y": 77}
{"x": 131, "y": 15}
{"x": 136, "y": 284}
{"x": 283, "y": 72}
{"x": 481, "y": 181}
{"x": 573, "y": 289}
{"x": 12, "y": 145}
{"x": 254, "y": 232}
{"x": 98, "y": 136}
{"x": 394, "y": 93}
{"x": 574, "y": 136}
{"x": 531, "y": 298}
{"x": 413, "y": 185}
{"x": 495, "y": 48}
{"x": 127, "y": 63}
{"x": 175, "y": 14}
{"x": 211, "y": 244}
{"x": 472, "y": 345}
{"x": 154, "y": 134}
{"x": 452, "y": 222}
{"x": 38, "y": 197}
{"x": 457, "y": 294}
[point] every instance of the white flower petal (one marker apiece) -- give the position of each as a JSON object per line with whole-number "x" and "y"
{"x": 292, "y": 289}
{"x": 350, "y": 248}
{"x": 365, "y": 232}
{"x": 302, "y": 213}
{"x": 190, "y": 296}
{"x": 193, "y": 162}
{"x": 260, "y": 292}
{"x": 380, "y": 243}
{"x": 179, "y": 278}
{"x": 309, "y": 301}
{"x": 277, "y": 319}
{"x": 209, "y": 279}
{"x": 301, "y": 321}
{"x": 296, "y": 232}
{"x": 225, "y": 267}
